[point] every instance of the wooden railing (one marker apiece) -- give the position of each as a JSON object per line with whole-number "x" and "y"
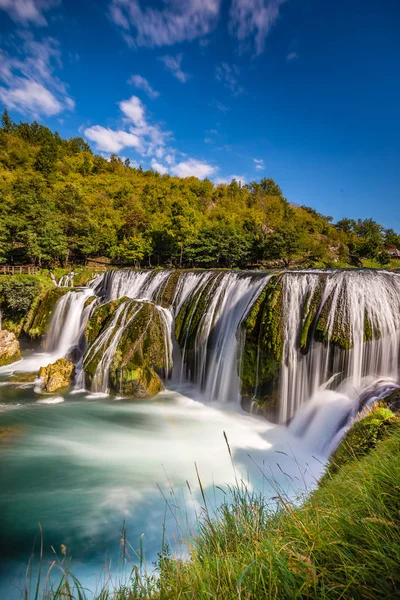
{"x": 18, "y": 270}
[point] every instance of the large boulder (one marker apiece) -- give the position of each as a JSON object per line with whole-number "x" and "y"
{"x": 128, "y": 344}
{"x": 9, "y": 348}
{"x": 56, "y": 375}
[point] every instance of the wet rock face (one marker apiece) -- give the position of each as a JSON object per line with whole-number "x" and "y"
{"x": 9, "y": 348}
{"x": 127, "y": 351}
{"x": 57, "y": 375}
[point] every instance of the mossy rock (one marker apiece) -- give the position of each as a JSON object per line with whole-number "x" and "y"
{"x": 9, "y": 348}
{"x": 310, "y": 314}
{"x": 140, "y": 356}
{"x": 38, "y": 319}
{"x": 263, "y": 348}
{"x": 166, "y": 294}
{"x": 101, "y": 317}
{"x": 139, "y": 382}
{"x": 57, "y": 375}
{"x": 90, "y": 301}
{"x": 364, "y": 435}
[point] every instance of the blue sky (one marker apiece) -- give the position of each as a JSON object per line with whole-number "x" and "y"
{"x": 304, "y": 91}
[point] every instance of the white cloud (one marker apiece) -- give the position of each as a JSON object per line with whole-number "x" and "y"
{"x": 148, "y": 139}
{"x": 230, "y": 178}
{"x": 173, "y": 64}
{"x": 195, "y": 168}
{"x": 133, "y": 109}
{"x": 29, "y": 84}
{"x": 251, "y": 21}
{"x": 178, "y": 21}
{"x": 292, "y": 56}
{"x": 156, "y": 166}
{"x": 108, "y": 140}
{"x": 32, "y": 97}
{"x": 228, "y": 75}
{"x": 27, "y": 11}
{"x": 259, "y": 163}
{"x": 142, "y": 84}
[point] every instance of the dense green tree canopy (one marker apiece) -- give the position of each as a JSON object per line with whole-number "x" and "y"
{"x": 60, "y": 203}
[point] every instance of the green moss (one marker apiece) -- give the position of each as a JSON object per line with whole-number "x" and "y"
{"x": 310, "y": 311}
{"x": 191, "y": 313}
{"x": 362, "y": 437}
{"x": 101, "y": 317}
{"x": 89, "y": 301}
{"x": 166, "y": 293}
{"x": 263, "y": 348}
{"x": 38, "y": 319}
{"x": 140, "y": 355}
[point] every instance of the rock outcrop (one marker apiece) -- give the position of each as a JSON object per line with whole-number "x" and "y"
{"x": 57, "y": 375}
{"x": 9, "y": 348}
{"x": 136, "y": 333}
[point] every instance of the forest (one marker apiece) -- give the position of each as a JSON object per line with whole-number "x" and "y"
{"x": 61, "y": 204}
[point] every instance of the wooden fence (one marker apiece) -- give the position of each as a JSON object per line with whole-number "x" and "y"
{"x": 18, "y": 270}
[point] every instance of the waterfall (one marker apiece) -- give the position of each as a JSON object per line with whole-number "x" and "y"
{"x": 339, "y": 330}
{"x": 66, "y": 280}
{"x": 355, "y": 301}
{"x": 65, "y": 324}
{"x": 134, "y": 284}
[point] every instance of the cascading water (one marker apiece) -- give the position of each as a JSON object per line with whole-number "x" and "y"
{"x": 66, "y": 280}
{"x": 210, "y": 308}
{"x": 355, "y": 303}
{"x": 65, "y": 325}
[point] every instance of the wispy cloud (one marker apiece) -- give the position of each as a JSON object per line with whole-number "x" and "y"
{"x": 259, "y": 163}
{"x": 28, "y": 80}
{"x": 173, "y": 64}
{"x": 178, "y": 21}
{"x": 228, "y": 75}
{"x": 292, "y": 56}
{"x": 28, "y": 11}
{"x": 141, "y": 83}
{"x": 252, "y": 20}
{"x": 219, "y": 106}
{"x": 195, "y": 168}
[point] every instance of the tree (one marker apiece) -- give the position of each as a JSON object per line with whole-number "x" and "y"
{"x": 6, "y": 123}
{"x": 383, "y": 258}
{"x": 132, "y": 250}
{"x": 46, "y": 159}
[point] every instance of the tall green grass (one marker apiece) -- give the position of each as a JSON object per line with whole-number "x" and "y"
{"x": 342, "y": 542}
